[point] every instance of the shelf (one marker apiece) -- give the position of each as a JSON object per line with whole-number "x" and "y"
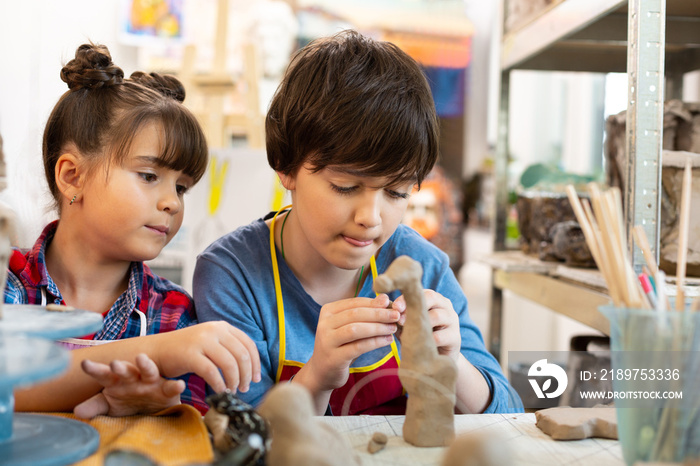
{"x": 576, "y": 302}
{"x": 655, "y": 42}
{"x": 570, "y": 291}
{"x": 591, "y": 36}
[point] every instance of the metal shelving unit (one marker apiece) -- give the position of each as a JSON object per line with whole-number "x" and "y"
{"x": 655, "y": 41}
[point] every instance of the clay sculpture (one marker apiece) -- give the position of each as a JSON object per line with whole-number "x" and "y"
{"x": 567, "y": 423}
{"x": 478, "y": 449}
{"x": 429, "y": 378}
{"x": 297, "y": 437}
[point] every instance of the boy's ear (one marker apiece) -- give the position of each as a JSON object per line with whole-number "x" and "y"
{"x": 287, "y": 181}
{"x": 69, "y": 175}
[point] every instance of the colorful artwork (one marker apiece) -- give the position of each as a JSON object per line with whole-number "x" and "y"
{"x": 434, "y": 212}
{"x": 146, "y": 20}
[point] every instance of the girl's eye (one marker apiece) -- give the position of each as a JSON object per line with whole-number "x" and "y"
{"x": 148, "y": 177}
{"x": 396, "y": 194}
{"x": 182, "y": 189}
{"x": 343, "y": 189}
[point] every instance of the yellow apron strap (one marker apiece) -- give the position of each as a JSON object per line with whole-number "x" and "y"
{"x": 278, "y": 293}
{"x": 280, "y": 305}
{"x": 394, "y": 349}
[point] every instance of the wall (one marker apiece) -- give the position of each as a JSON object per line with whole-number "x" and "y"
{"x": 37, "y": 37}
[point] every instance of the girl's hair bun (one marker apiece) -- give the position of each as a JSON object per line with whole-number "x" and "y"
{"x": 167, "y": 85}
{"x": 91, "y": 68}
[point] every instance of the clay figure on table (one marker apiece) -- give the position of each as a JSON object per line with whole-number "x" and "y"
{"x": 428, "y": 377}
{"x": 298, "y": 438}
{"x": 350, "y": 131}
{"x": 119, "y": 155}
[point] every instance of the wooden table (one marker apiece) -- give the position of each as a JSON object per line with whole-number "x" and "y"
{"x": 528, "y": 445}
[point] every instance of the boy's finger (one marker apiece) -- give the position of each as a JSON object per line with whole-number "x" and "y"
{"x": 399, "y": 304}
{"x": 382, "y": 300}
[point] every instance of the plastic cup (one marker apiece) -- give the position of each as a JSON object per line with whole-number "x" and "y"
{"x": 655, "y": 356}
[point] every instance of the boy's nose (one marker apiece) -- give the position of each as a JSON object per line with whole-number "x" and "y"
{"x": 368, "y": 212}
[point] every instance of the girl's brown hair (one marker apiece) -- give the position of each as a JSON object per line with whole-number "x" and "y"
{"x": 350, "y": 100}
{"x": 102, "y": 111}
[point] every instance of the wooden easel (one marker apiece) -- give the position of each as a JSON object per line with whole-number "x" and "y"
{"x": 217, "y": 86}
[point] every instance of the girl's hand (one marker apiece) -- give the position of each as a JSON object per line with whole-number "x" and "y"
{"x": 444, "y": 320}
{"x": 209, "y": 350}
{"x": 347, "y": 329}
{"x": 128, "y": 389}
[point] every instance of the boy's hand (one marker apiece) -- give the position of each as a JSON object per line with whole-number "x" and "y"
{"x": 347, "y": 329}
{"x": 444, "y": 320}
{"x": 209, "y": 350}
{"x": 129, "y": 389}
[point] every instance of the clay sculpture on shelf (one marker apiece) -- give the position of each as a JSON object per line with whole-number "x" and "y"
{"x": 429, "y": 378}
{"x": 567, "y": 423}
{"x": 297, "y": 437}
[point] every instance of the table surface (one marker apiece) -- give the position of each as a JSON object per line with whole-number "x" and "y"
{"x": 528, "y": 445}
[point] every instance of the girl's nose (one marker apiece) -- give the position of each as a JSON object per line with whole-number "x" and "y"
{"x": 170, "y": 201}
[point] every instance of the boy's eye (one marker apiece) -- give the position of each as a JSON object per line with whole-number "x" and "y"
{"x": 343, "y": 189}
{"x": 396, "y": 194}
{"x": 182, "y": 189}
{"x": 148, "y": 177}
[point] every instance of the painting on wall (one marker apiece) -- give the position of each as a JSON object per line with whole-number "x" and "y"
{"x": 149, "y": 21}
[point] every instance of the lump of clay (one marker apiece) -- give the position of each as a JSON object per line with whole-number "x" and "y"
{"x": 567, "y": 423}
{"x": 297, "y": 437}
{"x": 478, "y": 449}
{"x": 430, "y": 379}
{"x": 377, "y": 442}
{"x": 234, "y": 425}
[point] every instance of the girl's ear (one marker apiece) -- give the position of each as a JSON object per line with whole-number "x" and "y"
{"x": 69, "y": 176}
{"x": 288, "y": 181}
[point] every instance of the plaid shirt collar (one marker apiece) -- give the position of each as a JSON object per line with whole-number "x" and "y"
{"x": 115, "y": 320}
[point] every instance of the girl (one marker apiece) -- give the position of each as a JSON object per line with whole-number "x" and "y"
{"x": 350, "y": 131}
{"x": 119, "y": 155}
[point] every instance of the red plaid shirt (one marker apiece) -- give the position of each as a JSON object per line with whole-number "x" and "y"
{"x": 162, "y": 305}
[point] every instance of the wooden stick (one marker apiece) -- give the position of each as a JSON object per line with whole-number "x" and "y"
{"x": 683, "y": 235}
{"x": 604, "y": 264}
{"x": 607, "y": 221}
{"x": 615, "y": 260}
{"x": 640, "y": 237}
{"x": 587, "y": 223}
{"x": 613, "y": 204}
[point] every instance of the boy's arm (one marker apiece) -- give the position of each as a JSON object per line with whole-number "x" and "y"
{"x": 474, "y": 356}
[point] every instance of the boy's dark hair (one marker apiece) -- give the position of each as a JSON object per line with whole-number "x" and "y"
{"x": 101, "y": 113}
{"x": 350, "y": 100}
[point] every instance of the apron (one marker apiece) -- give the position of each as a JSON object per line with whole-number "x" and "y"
{"x": 373, "y": 389}
{"x": 87, "y": 340}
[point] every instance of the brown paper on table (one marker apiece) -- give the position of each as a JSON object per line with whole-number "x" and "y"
{"x": 174, "y": 436}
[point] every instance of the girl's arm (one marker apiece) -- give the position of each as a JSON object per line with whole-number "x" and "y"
{"x": 204, "y": 349}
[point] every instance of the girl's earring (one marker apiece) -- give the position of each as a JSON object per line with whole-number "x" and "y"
{"x": 73, "y": 200}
